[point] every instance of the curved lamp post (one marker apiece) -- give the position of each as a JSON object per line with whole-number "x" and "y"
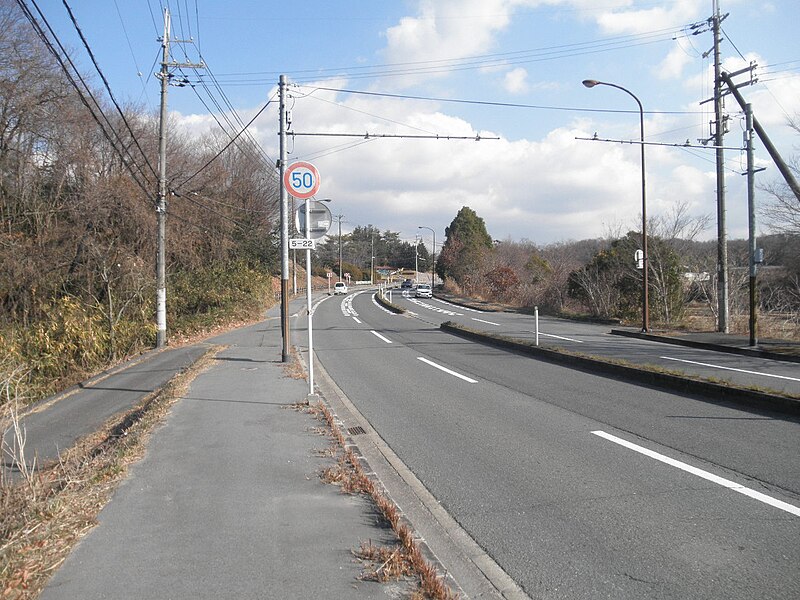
{"x": 590, "y": 83}
{"x": 433, "y": 264}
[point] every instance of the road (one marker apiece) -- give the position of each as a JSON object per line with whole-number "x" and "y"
{"x": 578, "y": 486}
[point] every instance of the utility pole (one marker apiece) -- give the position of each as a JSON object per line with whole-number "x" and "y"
{"x": 719, "y": 132}
{"x": 283, "y": 119}
{"x": 416, "y": 258}
{"x": 339, "y": 218}
{"x": 751, "y": 225}
{"x": 161, "y": 206}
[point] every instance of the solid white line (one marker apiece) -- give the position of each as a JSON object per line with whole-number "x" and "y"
{"x": 487, "y": 322}
{"x": 691, "y": 362}
{"x": 356, "y": 320}
{"x": 552, "y": 335}
{"x": 467, "y": 308}
{"x": 446, "y": 370}
{"x": 375, "y": 333}
{"x": 731, "y": 485}
{"x": 560, "y": 337}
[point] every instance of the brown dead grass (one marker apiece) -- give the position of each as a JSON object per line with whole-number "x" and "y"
{"x": 404, "y": 559}
{"x": 44, "y": 516}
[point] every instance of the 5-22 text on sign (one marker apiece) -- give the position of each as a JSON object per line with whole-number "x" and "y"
{"x": 302, "y": 244}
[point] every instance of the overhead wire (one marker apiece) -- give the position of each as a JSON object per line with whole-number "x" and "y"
{"x": 224, "y": 112}
{"x": 472, "y": 62}
{"x": 96, "y": 111}
{"x": 108, "y": 87}
{"x": 130, "y": 48}
{"x": 495, "y": 103}
{"x": 218, "y": 154}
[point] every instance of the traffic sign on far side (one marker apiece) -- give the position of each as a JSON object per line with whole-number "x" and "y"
{"x": 301, "y": 180}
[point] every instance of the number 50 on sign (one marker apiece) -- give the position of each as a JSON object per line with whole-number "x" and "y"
{"x": 301, "y": 179}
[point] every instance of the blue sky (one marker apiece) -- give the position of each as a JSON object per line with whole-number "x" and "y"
{"x": 521, "y": 61}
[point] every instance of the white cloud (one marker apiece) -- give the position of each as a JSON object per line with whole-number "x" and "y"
{"x": 646, "y": 20}
{"x": 515, "y": 81}
{"x": 673, "y": 64}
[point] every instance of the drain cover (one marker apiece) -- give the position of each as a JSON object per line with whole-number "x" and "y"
{"x": 357, "y": 430}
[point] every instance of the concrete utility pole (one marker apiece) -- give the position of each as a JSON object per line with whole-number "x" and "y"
{"x": 762, "y": 134}
{"x": 339, "y": 218}
{"x": 719, "y": 132}
{"x": 283, "y": 119}
{"x": 161, "y": 206}
{"x": 433, "y": 264}
{"x": 751, "y": 225}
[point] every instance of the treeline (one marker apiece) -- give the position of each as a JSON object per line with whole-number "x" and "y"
{"x": 600, "y": 277}
{"x": 78, "y": 215}
{"x": 367, "y": 247}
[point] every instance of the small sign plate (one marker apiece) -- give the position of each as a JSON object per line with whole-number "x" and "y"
{"x": 302, "y": 244}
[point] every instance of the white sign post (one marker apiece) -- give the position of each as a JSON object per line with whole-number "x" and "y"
{"x": 302, "y": 181}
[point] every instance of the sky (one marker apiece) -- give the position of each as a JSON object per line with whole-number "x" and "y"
{"x": 476, "y": 69}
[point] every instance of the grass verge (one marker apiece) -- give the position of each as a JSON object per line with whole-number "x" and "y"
{"x": 47, "y": 511}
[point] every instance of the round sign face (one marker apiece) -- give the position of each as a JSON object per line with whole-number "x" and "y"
{"x": 319, "y": 221}
{"x": 301, "y": 180}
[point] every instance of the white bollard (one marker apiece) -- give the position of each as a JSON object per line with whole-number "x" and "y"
{"x": 536, "y": 329}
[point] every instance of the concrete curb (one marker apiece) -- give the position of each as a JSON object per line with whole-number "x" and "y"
{"x": 388, "y": 305}
{"x": 665, "y": 339}
{"x": 711, "y": 391}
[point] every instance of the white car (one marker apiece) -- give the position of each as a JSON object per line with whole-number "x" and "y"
{"x": 423, "y": 291}
{"x": 339, "y": 288}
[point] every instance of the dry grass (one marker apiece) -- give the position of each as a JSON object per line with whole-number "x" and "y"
{"x": 406, "y": 557}
{"x": 384, "y": 564}
{"x": 44, "y": 514}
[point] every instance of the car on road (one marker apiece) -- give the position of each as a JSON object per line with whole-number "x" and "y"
{"x": 339, "y": 288}
{"x": 423, "y": 291}
{"x": 407, "y": 284}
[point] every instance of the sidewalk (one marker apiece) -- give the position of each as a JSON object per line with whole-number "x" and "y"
{"x": 227, "y": 502}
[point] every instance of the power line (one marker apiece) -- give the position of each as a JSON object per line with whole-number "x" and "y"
{"x": 82, "y": 96}
{"x": 218, "y": 154}
{"x": 107, "y": 86}
{"x": 480, "y": 61}
{"x": 499, "y": 104}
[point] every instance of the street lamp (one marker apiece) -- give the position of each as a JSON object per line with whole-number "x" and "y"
{"x": 590, "y": 83}
{"x": 433, "y": 263}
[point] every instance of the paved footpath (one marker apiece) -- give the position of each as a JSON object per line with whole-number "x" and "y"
{"x": 227, "y": 502}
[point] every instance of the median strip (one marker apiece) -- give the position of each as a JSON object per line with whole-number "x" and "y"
{"x": 645, "y": 374}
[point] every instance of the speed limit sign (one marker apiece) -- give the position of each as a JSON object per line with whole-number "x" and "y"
{"x": 301, "y": 180}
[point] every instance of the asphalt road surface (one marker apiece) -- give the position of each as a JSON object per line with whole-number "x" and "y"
{"x": 577, "y": 485}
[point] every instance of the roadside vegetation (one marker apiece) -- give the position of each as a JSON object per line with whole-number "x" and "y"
{"x": 403, "y": 561}
{"x": 599, "y": 279}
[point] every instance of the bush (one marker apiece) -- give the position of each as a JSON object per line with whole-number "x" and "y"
{"x": 207, "y": 297}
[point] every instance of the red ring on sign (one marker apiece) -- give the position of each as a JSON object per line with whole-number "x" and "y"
{"x": 301, "y": 194}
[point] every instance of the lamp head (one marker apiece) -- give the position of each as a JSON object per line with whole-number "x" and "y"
{"x": 590, "y": 83}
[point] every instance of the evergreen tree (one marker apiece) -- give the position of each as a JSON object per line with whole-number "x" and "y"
{"x": 466, "y": 242}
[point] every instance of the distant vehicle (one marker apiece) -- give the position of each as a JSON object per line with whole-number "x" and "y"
{"x": 407, "y": 284}
{"x": 340, "y": 288}
{"x": 424, "y": 291}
